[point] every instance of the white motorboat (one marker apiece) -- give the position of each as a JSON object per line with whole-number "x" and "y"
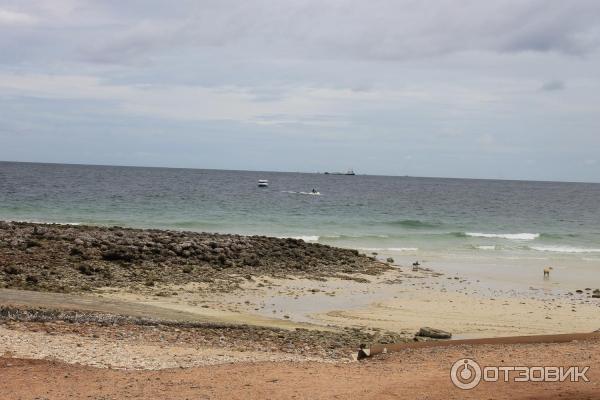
{"x": 263, "y": 183}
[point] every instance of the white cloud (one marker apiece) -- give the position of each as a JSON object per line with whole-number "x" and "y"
{"x": 13, "y": 18}
{"x": 313, "y": 105}
{"x": 179, "y": 102}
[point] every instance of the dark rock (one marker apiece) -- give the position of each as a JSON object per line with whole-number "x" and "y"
{"x": 76, "y": 251}
{"x": 86, "y": 269}
{"x": 32, "y": 243}
{"x": 118, "y": 254}
{"x": 434, "y": 333}
{"x": 12, "y": 270}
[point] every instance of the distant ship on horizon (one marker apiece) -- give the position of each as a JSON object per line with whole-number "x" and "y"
{"x": 349, "y": 172}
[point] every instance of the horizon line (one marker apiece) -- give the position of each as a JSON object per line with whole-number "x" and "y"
{"x": 293, "y": 172}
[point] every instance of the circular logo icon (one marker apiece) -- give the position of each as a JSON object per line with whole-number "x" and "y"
{"x": 465, "y": 374}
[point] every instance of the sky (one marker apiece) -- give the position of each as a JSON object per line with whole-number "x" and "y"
{"x": 470, "y": 88}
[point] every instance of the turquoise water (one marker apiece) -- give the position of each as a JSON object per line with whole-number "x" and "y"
{"x": 483, "y": 218}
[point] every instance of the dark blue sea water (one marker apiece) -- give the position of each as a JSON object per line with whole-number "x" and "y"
{"x": 404, "y": 214}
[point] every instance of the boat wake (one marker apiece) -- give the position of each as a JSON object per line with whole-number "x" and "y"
{"x": 304, "y": 193}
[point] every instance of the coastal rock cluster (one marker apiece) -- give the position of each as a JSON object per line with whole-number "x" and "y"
{"x": 65, "y": 258}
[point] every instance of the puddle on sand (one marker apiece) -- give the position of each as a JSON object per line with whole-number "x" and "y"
{"x": 300, "y": 300}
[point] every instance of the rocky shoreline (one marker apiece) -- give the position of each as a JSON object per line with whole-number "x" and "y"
{"x": 323, "y": 344}
{"x": 67, "y": 258}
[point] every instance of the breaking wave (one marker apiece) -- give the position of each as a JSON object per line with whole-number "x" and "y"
{"x": 485, "y": 247}
{"x": 510, "y": 236}
{"x": 313, "y": 238}
{"x": 34, "y": 221}
{"x": 564, "y": 249}
{"x": 388, "y": 248}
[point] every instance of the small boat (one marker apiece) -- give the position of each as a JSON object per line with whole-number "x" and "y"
{"x": 263, "y": 183}
{"x": 349, "y": 172}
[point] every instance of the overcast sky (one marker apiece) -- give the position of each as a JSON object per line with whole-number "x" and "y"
{"x": 484, "y": 89}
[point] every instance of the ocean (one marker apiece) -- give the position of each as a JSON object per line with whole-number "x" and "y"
{"x": 435, "y": 218}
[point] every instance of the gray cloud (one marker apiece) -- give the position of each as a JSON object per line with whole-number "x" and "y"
{"x": 552, "y": 86}
{"x": 119, "y": 32}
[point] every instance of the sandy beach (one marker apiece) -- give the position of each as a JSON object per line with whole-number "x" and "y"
{"x": 292, "y": 326}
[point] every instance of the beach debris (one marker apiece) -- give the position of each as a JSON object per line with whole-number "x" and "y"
{"x": 363, "y": 352}
{"x": 390, "y": 260}
{"x": 433, "y": 333}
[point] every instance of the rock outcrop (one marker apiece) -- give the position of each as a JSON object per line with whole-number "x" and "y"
{"x": 64, "y": 258}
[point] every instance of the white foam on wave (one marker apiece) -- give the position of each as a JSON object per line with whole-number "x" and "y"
{"x": 33, "y": 221}
{"x": 564, "y": 249}
{"x": 511, "y": 236}
{"x": 388, "y": 248}
{"x": 486, "y": 247}
{"x": 349, "y": 236}
{"x": 403, "y": 249}
{"x": 307, "y": 238}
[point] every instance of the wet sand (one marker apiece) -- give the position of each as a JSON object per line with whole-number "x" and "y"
{"x": 400, "y": 300}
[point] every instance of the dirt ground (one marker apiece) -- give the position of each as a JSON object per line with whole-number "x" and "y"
{"x": 410, "y": 374}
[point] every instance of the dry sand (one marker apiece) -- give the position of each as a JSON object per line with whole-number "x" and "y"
{"x": 410, "y": 374}
{"x": 126, "y": 354}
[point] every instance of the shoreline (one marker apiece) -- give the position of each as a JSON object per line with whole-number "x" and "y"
{"x": 312, "y": 313}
